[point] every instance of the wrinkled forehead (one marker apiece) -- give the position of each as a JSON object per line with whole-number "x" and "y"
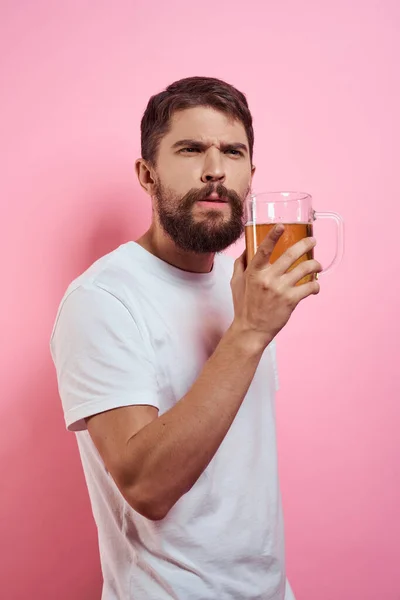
{"x": 206, "y": 125}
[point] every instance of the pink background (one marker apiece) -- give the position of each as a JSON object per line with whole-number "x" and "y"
{"x": 322, "y": 79}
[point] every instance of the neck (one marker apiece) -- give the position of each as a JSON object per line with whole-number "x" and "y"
{"x": 159, "y": 244}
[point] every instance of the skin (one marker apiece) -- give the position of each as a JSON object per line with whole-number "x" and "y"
{"x": 212, "y": 159}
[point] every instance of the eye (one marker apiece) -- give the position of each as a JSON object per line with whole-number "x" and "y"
{"x": 234, "y": 152}
{"x": 189, "y": 150}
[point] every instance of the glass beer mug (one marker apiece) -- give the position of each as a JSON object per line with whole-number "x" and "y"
{"x": 294, "y": 210}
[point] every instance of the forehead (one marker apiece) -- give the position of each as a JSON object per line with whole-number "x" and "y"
{"x": 204, "y": 124}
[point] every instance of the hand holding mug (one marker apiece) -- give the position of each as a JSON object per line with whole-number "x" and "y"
{"x": 277, "y": 270}
{"x": 295, "y": 211}
{"x": 265, "y": 294}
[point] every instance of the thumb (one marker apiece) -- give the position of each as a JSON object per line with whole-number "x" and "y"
{"x": 240, "y": 264}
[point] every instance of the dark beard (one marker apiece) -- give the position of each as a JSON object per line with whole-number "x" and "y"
{"x": 212, "y": 234}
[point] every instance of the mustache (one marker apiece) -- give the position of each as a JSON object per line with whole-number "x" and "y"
{"x": 197, "y": 195}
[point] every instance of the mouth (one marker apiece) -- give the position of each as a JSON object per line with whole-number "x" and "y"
{"x": 213, "y": 204}
{"x": 214, "y": 198}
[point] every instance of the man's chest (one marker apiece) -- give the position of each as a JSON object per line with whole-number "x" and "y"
{"x": 184, "y": 335}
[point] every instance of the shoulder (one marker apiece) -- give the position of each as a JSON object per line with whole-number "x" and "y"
{"x": 96, "y": 296}
{"x": 87, "y": 310}
{"x": 109, "y": 271}
{"x": 103, "y": 282}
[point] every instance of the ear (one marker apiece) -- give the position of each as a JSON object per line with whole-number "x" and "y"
{"x": 145, "y": 175}
{"x": 253, "y": 170}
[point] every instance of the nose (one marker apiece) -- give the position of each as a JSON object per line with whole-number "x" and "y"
{"x": 213, "y": 170}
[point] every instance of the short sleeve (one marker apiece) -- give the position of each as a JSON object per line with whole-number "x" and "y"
{"x": 101, "y": 358}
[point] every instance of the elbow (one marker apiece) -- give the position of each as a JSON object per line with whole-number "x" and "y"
{"x": 149, "y": 507}
{"x": 151, "y": 512}
{"x": 155, "y": 515}
{"x": 141, "y": 495}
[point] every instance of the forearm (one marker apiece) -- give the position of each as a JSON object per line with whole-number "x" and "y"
{"x": 172, "y": 451}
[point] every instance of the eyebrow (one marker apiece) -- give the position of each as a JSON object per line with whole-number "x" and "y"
{"x": 203, "y": 146}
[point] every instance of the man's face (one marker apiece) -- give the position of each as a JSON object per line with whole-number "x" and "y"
{"x": 205, "y": 155}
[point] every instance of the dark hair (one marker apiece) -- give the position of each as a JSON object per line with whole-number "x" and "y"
{"x": 188, "y": 93}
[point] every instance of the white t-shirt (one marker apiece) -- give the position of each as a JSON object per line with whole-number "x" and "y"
{"x": 135, "y": 330}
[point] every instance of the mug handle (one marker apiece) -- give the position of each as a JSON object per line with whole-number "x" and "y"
{"x": 339, "y": 237}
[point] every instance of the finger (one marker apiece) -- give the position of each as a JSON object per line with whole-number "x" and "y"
{"x": 292, "y": 254}
{"x": 265, "y": 249}
{"x": 305, "y": 268}
{"x": 303, "y": 291}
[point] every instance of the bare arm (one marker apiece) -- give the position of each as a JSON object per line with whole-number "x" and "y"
{"x": 158, "y": 463}
{"x": 155, "y": 460}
